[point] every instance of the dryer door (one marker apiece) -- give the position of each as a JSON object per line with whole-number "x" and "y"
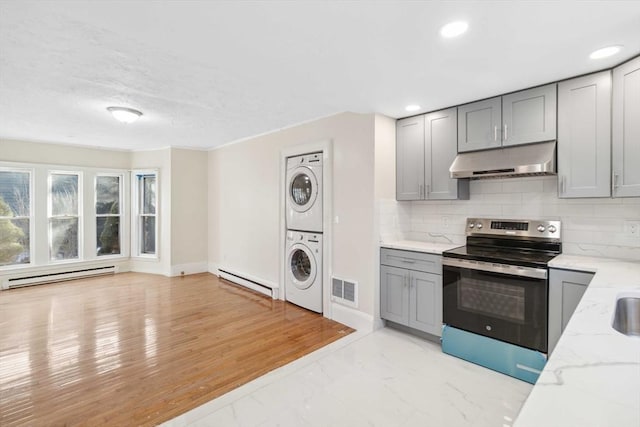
{"x": 303, "y": 189}
{"x": 302, "y": 266}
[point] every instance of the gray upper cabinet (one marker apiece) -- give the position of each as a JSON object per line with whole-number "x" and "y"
{"x": 584, "y": 136}
{"x": 439, "y": 153}
{"x": 479, "y": 125}
{"x": 518, "y": 118}
{"x": 626, "y": 129}
{"x": 529, "y": 116}
{"x": 410, "y": 158}
{"x": 425, "y": 149}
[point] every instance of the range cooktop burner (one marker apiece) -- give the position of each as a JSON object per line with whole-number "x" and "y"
{"x": 502, "y": 256}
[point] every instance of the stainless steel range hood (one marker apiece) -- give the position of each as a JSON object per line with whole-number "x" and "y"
{"x": 519, "y": 160}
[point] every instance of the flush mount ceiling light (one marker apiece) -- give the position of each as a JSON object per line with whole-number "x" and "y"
{"x": 412, "y": 107}
{"x": 454, "y": 29}
{"x": 605, "y": 52}
{"x": 124, "y": 115}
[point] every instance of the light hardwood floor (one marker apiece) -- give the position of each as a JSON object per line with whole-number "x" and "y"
{"x": 139, "y": 349}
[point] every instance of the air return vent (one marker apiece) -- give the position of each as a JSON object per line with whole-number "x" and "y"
{"x": 344, "y": 291}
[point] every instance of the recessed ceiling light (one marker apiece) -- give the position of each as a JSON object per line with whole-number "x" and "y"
{"x": 605, "y": 52}
{"x": 412, "y": 107}
{"x": 124, "y": 114}
{"x": 454, "y": 29}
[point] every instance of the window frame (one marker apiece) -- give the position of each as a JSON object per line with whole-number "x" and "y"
{"x": 31, "y": 217}
{"x": 121, "y": 213}
{"x": 80, "y": 216}
{"x": 137, "y": 194}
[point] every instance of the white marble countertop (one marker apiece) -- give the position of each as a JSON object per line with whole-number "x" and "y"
{"x": 593, "y": 376}
{"x": 413, "y": 245}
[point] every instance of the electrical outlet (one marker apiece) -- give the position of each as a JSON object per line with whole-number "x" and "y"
{"x": 445, "y": 221}
{"x": 632, "y": 229}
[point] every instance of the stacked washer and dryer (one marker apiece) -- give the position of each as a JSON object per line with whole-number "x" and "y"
{"x": 303, "y": 269}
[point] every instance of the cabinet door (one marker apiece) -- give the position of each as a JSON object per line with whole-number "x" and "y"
{"x": 565, "y": 291}
{"x": 529, "y": 116}
{"x": 626, "y": 129}
{"x": 440, "y": 149}
{"x": 425, "y": 302}
{"x": 584, "y": 136}
{"x": 394, "y": 294}
{"x": 410, "y": 158}
{"x": 479, "y": 125}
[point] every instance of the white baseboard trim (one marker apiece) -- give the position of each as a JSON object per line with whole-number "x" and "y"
{"x": 255, "y": 283}
{"x": 191, "y": 268}
{"x": 353, "y": 318}
{"x": 213, "y": 268}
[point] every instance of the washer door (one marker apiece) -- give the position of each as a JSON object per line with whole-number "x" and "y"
{"x": 302, "y": 266}
{"x": 303, "y": 189}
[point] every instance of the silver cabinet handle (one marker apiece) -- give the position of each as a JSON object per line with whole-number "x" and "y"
{"x": 413, "y": 282}
{"x": 505, "y": 132}
{"x": 420, "y": 190}
{"x": 562, "y": 184}
{"x": 428, "y": 189}
{"x": 408, "y": 261}
{"x": 495, "y": 133}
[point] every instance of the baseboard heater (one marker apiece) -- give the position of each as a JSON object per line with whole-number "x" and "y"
{"x": 39, "y": 279}
{"x": 247, "y": 283}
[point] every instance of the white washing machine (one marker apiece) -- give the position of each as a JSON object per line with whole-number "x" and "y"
{"x": 304, "y": 192}
{"x": 303, "y": 282}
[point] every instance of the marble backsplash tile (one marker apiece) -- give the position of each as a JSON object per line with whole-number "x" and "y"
{"x": 590, "y": 226}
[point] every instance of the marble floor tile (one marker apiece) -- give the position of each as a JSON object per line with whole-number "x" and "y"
{"x": 384, "y": 378}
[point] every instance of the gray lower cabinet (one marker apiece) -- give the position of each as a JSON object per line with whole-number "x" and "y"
{"x": 411, "y": 294}
{"x": 626, "y": 129}
{"x": 517, "y": 118}
{"x": 584, "y": 136}
{"x": 566, "y": 288}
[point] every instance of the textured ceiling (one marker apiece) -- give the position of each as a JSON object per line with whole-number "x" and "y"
{"x": 206, "y": 73}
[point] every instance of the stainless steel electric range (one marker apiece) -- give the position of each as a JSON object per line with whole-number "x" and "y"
{"x": 495, "y": 294}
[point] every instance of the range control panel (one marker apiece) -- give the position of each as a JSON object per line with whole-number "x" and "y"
{"x": 548, "y": 229}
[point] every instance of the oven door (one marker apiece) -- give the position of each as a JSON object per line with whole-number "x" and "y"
{"x": 504, "y": 302}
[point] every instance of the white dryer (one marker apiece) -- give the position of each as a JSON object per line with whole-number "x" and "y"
{"x": 304, "y": 192}
{"x": 303, "y": 282}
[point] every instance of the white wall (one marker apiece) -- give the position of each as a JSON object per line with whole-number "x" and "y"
{"x": 590, "y": 226}
{"x": 57, "y": 154}
{"x": 188, "y": 211}
{"x": 244, "y": 201}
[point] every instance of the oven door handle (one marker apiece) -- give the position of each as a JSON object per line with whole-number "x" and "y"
{"x": 514, "y": 270}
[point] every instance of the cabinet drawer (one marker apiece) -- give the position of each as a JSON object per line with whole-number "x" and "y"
{"x": 419, "y": 261}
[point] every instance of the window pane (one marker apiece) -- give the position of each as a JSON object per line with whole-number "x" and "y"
{"x": 148, "y": 243}
{"x": 14, "y": 191}
{"x": 107, "y": 195}
{"x": 108, "y": 235}
{"x": 14, "y": 240}
{"x": 64, "y": 194}
{"x": 149, "y": 194}
{"x": 64, "y": 238}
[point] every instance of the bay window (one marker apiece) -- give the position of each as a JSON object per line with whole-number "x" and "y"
{"x": 108, "y": 193}
{"x": 15, "y": 217}
{"x": 64, "y": 215}
{"x": 146, "y": 215}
